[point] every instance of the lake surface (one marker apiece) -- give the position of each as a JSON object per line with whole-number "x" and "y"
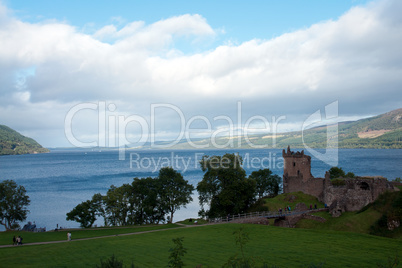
{"x": 58, "y": 181}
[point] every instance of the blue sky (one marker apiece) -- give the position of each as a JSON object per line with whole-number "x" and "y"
{"x": 240, "y": 21}
{"x": 275, "y": 61}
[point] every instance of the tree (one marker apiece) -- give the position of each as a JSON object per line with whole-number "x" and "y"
{"x": 84, "y": 213}
{"x": 224, "y": 187}
{"x": 147, "y": 204}
{"x": 118, "y": 203}
{"x": 266, "y": 182}
{"x": 336, "y": 172}
{"x": 98, "y": 206}
{"x": 13, "y": 204}
{"x": 174, "y": 191}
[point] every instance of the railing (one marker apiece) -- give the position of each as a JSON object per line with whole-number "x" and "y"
{"x": 263, "y": 214}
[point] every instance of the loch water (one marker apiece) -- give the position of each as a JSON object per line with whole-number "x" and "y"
{"x": 57, "y": 181}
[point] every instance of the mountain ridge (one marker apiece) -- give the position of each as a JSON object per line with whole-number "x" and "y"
{"x": 382, "y": 131}
{"x": 13, "y": 143}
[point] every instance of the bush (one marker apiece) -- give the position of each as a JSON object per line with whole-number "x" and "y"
{"x": 338, "y": 182}
{"x": 390, "y": 205}
{"x": 336, "y": 172}
{"x": 112, "y": 262}
{"x": 176, "y": 253}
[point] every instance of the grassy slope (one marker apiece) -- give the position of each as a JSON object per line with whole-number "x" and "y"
{"x": 211, "y": 246}
{"x": 291, "y": 199}
{"x": 349, "y": 221}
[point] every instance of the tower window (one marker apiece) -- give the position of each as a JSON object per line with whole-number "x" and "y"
{"x": 294, "y": 164}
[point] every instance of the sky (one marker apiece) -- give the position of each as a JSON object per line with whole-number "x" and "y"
{"x": 75, "y": 73}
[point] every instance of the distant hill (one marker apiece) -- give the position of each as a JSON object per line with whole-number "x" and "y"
{"x": 380, "y": 132}
{"x": 12, "y": 142}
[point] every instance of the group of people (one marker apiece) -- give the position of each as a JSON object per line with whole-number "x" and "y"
{"x": 17, "y": 240}
{"x": 287, "y": 209}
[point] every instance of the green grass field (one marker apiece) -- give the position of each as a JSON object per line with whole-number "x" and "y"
{"x": 28, "y": 237}
{"x": 211, "y": 246}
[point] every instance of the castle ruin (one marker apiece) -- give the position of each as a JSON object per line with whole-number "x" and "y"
{"x": 351, "y": 195}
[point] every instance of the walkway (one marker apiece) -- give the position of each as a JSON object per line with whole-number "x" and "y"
{"x": 264, "y": 214}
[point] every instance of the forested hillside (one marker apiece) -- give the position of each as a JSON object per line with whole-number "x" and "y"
{"x": 12, "y": 142}
{"x": 380, "y": 132}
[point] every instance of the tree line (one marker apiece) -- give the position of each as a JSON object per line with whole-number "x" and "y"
{"x": 144, "y": 201}
{"x": 224, "y": 189}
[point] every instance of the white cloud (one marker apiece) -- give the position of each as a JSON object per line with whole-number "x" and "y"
{"x": 355, "y": 59}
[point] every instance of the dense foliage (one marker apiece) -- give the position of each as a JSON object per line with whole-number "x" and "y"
{"x": 390, "y": 205}
{"x": 338, "y": 172}
{"x": 224, "y": 188}
{"x": 266, "y": 182}
{"x": 144, "y": 201}
{"x": 13, "y": 204}
{"x": 12, "y": 142}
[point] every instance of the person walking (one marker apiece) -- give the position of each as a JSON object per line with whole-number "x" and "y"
{"x": 14, "y": 240}
{"x": 68, "y": 236}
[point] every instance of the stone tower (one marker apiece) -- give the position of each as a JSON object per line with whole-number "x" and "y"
{"x": 296, "y": 165}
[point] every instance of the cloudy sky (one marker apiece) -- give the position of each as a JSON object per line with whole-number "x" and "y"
{"x": 74, "y": 72}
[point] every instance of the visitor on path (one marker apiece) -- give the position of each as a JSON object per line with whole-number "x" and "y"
{"x": 315, "y": 206}
{"x": 19, "y": 240}
{"x": 68, "y": 236}
{"x": 14, "y": 240}
{"x": 311, "y": 206}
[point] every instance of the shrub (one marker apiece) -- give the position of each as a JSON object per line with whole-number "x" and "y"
{"x": 338, "y": 182}
{"x": 176, "y": 253}
{"x": 112, "y": 262}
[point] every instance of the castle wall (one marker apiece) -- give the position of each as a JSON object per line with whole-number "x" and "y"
{"x": 354, "y": 195}
{"x": 311, "y": 186}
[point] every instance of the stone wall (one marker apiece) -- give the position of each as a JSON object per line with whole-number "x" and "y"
{"x": 312, "y": 186}
{"x": 253, "y": 220}
{"x": 352, "y": 196}
{"x": 291, "y": 221}
{"x": 356, "y": 193}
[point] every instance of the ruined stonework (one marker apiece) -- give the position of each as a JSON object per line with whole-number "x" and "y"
{"x": 297, "y": 174}
{"x": 351, "y": 195}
